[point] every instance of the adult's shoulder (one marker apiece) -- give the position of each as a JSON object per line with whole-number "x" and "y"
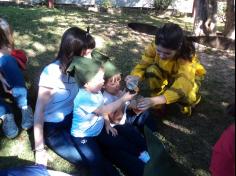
{"x": 53, "y": 67}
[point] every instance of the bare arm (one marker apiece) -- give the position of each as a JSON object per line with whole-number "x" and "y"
{"x": 44, "y": 95}
{"x": 146, "y": 103}
{"x": 109, "y": 108}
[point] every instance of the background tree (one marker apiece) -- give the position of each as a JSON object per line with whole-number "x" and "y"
{"x": 205, "y": 17}
{"x": 229, "y": 30}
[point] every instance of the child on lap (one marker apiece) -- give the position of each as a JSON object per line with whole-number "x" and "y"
{"x": 89, "y": 124}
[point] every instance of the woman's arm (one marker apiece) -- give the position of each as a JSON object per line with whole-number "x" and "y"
{"x": 147, "y": 59}
{"x": 146, "y": 103}
{"x": 44, "y": 95}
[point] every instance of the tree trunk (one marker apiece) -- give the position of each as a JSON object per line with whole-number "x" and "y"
{"x": 205, "y": 15}
{"x": 229, "y": 30}
{"x": 50, "y": 4}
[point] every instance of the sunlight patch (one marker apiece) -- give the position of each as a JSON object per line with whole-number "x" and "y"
{"x": 47, "y": 19}
{"x": 178, "y": 127}
{"x": 30, "y": 52}
{"x": 38, "y": 46}
{"x": 100, "y": 42}
{"x": 17, "y": 149}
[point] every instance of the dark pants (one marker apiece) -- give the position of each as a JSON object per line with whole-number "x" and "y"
{"x": 89, "y": 148}
{"x": 141, "y": 120}
{"x": 35, "y": 170}
{"x": 91, "y": 153}
{"x": 57, "y": 137}
{"x": 131, "y": 134}
{"x": 129, "y": 164}
{"x": 126, "y": 161}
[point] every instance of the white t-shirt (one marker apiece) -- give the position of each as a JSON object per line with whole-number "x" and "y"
{"x": 85, "y": 123}
{"x": 109, "y": 98}
{"x": 64, "y": 91}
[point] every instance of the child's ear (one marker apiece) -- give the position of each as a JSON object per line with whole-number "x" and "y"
{"x": 83, "y": 52}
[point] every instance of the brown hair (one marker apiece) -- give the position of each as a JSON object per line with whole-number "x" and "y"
{"x": 6, "y": 34}
{"x": 73, "y": 41}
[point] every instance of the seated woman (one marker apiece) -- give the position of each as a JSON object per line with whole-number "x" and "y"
{"x": 54, "y": 106}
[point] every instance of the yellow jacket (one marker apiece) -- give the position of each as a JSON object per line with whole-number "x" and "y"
{"x": 181, "y": 78}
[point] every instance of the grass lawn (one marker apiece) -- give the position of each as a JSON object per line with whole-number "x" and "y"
{"x": 38, "y": 31}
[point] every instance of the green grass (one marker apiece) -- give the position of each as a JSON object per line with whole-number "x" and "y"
{"x": 38, "y": 31}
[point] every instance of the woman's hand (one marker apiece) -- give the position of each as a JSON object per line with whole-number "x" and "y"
{"x": 145, "y": 103}
{"x": 41, "y": 157}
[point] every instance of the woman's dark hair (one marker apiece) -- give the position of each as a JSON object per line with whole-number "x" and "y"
{"x": 171, "y": 36}
{"x": 73, "y": 42}
{"x": 6, "y": 37}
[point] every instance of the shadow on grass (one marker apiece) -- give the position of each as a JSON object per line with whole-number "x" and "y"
{"x": 189, "y": 140}
{"x": 13, "y": 161}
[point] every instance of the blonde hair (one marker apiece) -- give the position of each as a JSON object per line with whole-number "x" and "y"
{"x": 6, "y": 34}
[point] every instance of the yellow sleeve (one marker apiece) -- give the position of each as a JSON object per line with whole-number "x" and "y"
{"x": 183, "y": 83}
{"x": 147, "y": 59}
{"x": 200, "y": 70}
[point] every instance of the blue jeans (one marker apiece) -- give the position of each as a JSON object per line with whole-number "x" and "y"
{"x": 57, "y": 137}
{"x": 4, "y": 108}
{"x": 14, "y": 77}
{"x": 90, "y": 149}
{"x": 34, "y": 170}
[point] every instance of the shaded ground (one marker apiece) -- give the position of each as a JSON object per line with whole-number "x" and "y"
{"x": 189, "y": 140}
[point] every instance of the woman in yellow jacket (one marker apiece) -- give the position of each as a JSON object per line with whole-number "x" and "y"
{"x": 172, "y": 69}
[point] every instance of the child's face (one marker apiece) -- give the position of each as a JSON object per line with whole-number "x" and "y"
{"x": 96, "y": 83}
{"x": 112, "y": 85}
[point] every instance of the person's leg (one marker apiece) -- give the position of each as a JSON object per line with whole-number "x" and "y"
{"x": 58, "y": 138}
{"x": 91, "y": 153}
{"x": 146, "y": 119}
{"x": 34, "y": 170}
{"x": 131, "y": 134}
{"x": 9, "y": 127}
{"x": 14, "y": 77}
{"x": 129, "y": 164}
{"x": 117, "y": 142}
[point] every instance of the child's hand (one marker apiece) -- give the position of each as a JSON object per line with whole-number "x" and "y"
{"x": 5, "y": 84}
{"x": 109, "y": 129}
{"x": 127, "y": 96}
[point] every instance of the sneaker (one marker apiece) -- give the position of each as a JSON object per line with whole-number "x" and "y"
{"x": 27, "y": 118}
{"x": 144, "y": 156}
{"x": 9, "y": 126}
